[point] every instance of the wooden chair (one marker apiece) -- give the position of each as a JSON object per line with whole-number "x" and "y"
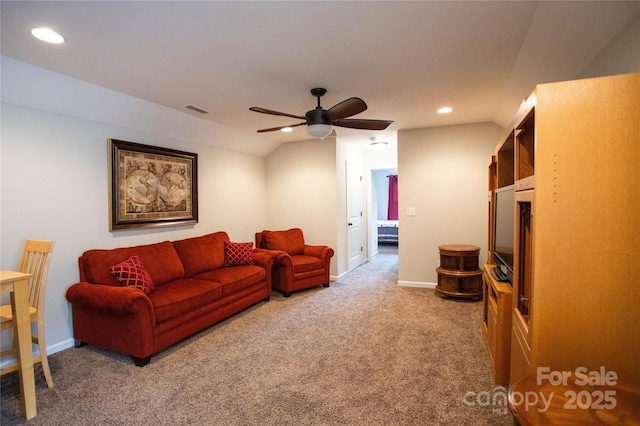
{"x": 35, "y": 260}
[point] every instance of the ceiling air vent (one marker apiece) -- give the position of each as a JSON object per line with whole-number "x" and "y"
{"x": 197, "y": 109}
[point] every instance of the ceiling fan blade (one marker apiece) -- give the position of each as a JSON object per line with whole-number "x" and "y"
{"x": 363, "y": 124}
{"x": 268, "y": 111}
{"x": 273, "y": 129}
{"x": 346, "y": 108}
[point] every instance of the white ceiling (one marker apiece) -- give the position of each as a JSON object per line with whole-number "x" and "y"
{"x": 405, "y": 59}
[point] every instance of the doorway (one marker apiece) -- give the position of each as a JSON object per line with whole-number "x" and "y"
{"x": 384, "y": 225}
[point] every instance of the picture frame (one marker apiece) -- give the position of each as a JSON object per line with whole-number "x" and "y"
{"x": 151, "y": 186}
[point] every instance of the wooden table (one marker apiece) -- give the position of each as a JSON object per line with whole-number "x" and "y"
{"x": 18, "y": 284}
{"x": 574, "y": 402}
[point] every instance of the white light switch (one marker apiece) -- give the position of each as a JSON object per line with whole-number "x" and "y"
{"x": 411, "y": 211}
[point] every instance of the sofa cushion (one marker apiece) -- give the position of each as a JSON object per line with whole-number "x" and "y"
{"x": 131, "y": 273}
{"x": 291, "y": 240}
{"x": 238, "y": 254}
{"x": 235, "y": 278}
{"x": 305, "y": 264}
{"x": 199, "y": 254}
{"x": 184, "y": 295}
{"x": 160, "y": 260}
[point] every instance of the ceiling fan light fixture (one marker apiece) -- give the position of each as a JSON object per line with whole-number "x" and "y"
{"x": 379, "y": 146}
{"x": 319, "y": 130}
{"x": 286, "y": 129}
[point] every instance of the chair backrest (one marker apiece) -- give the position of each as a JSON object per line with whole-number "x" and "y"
{"x": 35, "y": 261}
{"x": 290, "y": 240}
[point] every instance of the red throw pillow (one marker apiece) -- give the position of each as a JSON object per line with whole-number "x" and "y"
{"x": 238, "y": 254}
{"x": 131, "y": 273}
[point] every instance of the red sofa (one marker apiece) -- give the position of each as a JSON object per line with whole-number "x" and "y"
{"x": 296, "y": 265}
{"x": 193, "y": 290}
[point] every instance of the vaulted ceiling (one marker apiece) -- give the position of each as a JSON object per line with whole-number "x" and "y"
{"x": 405, "y": 59}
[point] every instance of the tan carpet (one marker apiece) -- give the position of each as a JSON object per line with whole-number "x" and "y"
{"x": 361, "y": 352}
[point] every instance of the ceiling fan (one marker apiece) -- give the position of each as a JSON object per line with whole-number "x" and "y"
{"x": 319, "y": 121}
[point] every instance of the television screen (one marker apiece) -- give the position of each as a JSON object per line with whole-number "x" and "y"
{"x": 503, "y": 241}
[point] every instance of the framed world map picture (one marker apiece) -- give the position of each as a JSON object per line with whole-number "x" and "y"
{"x": 151, "y": 186}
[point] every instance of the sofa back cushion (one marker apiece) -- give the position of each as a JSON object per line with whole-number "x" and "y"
{"x": 291, "y": 241}
{"x": 160, "y": 260}
{"x": 200, "y": 254}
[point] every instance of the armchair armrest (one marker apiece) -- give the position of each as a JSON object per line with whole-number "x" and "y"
{"x": 323, "y": 252}
{"x": 278, "y": 256}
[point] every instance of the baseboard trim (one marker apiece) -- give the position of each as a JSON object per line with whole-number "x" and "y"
{"x": 8, "y": 361}
{"x": 334, "y": 278}
{"x": 417, "y": 284}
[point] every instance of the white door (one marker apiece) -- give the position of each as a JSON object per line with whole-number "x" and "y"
{"x": 354, "y": 216}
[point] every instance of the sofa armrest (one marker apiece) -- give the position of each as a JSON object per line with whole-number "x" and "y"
{"x": 120, "y": 319}
{"x": 262, "y": 258}
{"x": 110, "y": 300}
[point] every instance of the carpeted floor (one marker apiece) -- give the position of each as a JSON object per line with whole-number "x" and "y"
{"x": 361, "y": 352}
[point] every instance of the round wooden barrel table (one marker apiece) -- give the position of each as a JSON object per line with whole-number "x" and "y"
{"x": 459, "y": 274}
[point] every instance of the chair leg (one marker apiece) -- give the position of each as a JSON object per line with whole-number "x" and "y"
{"x": 42, "y": 347}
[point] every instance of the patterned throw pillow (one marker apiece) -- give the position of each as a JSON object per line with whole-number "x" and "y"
{"x": 131, "y": 273}
{"x": 238, "y": 254}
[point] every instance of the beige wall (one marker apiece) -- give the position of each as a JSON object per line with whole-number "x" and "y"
{"x": 442, "y": 173}
{"x": 301, "y": 190}
{"x": 620, "y": 56}
{"x": 54, "y": 186}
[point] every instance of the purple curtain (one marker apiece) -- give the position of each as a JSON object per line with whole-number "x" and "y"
{"x": 392, "y": 210}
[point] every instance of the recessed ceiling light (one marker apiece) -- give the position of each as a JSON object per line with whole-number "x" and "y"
{"x": 48, "y": 35}
{"x": 445, "y": 110}
{"x": 286, "y": 129}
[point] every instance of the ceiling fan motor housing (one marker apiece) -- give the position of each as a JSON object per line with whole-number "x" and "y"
{"x": 317, "y": 116}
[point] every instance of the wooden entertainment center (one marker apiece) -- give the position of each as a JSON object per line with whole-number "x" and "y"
{"x": 573, "y": 156}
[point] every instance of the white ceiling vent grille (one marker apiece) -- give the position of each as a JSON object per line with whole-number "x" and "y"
{"x": 197, "y": 109}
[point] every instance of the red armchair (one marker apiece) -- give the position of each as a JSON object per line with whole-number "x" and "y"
{"x": 296, "y": 265}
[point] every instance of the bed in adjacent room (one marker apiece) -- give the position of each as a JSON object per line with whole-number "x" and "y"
{"x": 388, "y": 231}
